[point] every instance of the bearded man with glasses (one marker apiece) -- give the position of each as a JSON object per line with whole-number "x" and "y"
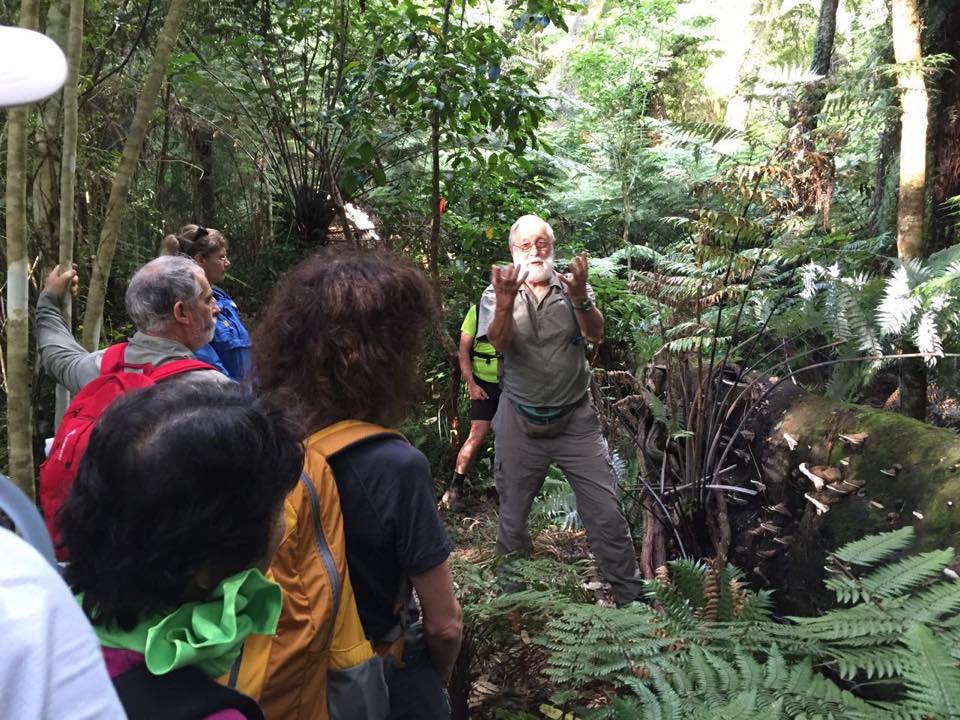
{"x": 540, "y": 321}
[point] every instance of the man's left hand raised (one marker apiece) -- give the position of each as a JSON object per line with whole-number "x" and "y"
{"x": 575, "y": 279}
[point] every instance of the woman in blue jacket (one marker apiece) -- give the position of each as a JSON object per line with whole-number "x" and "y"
{"x": 229, "y": 351}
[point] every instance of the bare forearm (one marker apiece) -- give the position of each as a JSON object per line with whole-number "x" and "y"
{"x": 466, "y": 367}
{"x": 442, "y": 623}
{"x": 500, "y": 332}
{"x": 444, "y": 649}
{"x": 591, "y": 324}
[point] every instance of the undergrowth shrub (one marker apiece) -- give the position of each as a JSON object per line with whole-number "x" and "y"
{"x": 706, "y": 646}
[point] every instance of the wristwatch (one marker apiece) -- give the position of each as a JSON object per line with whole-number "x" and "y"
{"x": 584, "y": 306}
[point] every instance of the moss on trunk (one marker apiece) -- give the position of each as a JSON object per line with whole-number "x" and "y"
{"x": 903, "y": 472}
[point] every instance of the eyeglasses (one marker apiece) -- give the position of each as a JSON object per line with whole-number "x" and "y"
{"x": 540, "y": 245}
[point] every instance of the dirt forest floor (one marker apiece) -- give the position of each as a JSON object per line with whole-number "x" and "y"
{"x": 499, "y": 675}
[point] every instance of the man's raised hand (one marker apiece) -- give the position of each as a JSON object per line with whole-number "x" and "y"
{"x": 507, "y": 281}
{"x": 57, "y": 283}
{"x": 576, "y": 278}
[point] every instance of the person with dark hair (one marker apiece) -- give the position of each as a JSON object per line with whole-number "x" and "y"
{"x": 175, "y": 513}
{"x": 50, "y": 665}
{"x": 229, "y": 350}
{"x": 341, "y": 337}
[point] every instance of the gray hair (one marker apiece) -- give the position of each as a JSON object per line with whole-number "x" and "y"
{"x": 525, "y": 219}
{"x": 159, "y": 285}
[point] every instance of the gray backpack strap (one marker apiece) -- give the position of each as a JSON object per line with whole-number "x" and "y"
{"x": 26, "y": 519}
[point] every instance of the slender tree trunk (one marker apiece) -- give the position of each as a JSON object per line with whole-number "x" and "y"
{"x": 822, "y": 58}
{"x": 117, "y": 204}
{"x": 913, "y": 136}
{"x": 434, "y": 254}
{"x": 205, "y": 209}
{"x": 19, "y": 411}
{"x": 44, "y": 194}
{"x": 159, "y": 193}
{"x": 68, "y": 166}
{"x": 946, "y": 136}
{"x": 913, "y": 175}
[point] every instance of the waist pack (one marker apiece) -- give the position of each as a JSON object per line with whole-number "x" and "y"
{"x": 116, "y": 378}
{"x": 547, "y": 422}
{"x": 320, "y": 664}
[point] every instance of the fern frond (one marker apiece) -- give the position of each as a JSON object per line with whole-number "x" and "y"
{"x": 932, "y": 677}
{"x": 907, "y": 574}
{"x": 876, "y": 662}
{"x": 899, "y": 306}
{"x": 871, "y": 550}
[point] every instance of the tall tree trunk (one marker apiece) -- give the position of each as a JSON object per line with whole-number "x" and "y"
{"x": 117, "y": 204}
{"x": 813, "y": 99}
{"x": 68, "y": 166}
{"x": 205, "y": 209}
{"x": 945, "y": 230}
{"x": 19, "y": 411}
{"x": 44, "y": 193}
{"x": 434, "y": 254}
{"x": 913, "y": 175}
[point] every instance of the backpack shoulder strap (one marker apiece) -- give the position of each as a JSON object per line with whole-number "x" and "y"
{"x": 112, "y": 359}
{"x": 176, "y": 367}
{"x": 183, "y": 693}
{"x": 339, "y": 436}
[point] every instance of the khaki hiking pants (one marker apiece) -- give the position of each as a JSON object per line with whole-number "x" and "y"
{"x": 521, "y": 465}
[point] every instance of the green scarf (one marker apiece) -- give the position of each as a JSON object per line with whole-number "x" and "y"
{"x": 208, "y": 633}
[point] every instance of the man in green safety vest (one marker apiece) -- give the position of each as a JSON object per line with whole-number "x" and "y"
{"x": 478, "y": 364}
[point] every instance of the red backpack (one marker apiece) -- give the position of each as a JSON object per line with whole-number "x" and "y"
{"x": 59, "y": 470}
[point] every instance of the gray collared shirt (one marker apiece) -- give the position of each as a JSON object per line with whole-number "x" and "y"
{"x": 73, "y": 367}
{"x": 545, "y": 365}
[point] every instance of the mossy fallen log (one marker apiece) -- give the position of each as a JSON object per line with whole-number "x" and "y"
{"x": 833, "y": 472}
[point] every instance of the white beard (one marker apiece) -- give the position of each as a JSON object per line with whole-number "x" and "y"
{"x": 538, "y": 273}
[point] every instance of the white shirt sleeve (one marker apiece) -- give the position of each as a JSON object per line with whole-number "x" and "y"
{"x": 51, "y": 664}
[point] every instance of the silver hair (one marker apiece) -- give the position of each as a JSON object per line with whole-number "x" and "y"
{"x": 159, "y": 285}
{"x": 525, "y": 219}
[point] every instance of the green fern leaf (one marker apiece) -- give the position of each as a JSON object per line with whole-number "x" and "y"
{"x": 899, "y": 577}
{"x": 870, "y": 550}
{"x": 932, "y": 677}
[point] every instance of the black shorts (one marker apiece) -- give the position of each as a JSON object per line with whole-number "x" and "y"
{"x": 485, "y": 409}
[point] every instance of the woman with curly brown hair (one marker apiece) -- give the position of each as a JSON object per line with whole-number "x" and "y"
{"x": 341, "y": 338}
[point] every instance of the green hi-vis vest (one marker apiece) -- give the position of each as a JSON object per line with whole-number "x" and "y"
{"x": 483, "y": 355}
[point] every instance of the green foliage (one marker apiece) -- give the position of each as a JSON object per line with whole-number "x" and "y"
{"x": 874, "y": 548}
{"x": 708, "y": 647}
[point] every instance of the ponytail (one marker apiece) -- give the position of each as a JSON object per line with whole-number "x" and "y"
{"x": 170, "y": 245}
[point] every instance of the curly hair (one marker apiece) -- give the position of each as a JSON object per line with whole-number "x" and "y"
{"x": 341, "y": 337}
{"x": 179, "y": 488}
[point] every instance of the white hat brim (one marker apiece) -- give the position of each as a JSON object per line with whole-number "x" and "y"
{"x": 32, "y": 66}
